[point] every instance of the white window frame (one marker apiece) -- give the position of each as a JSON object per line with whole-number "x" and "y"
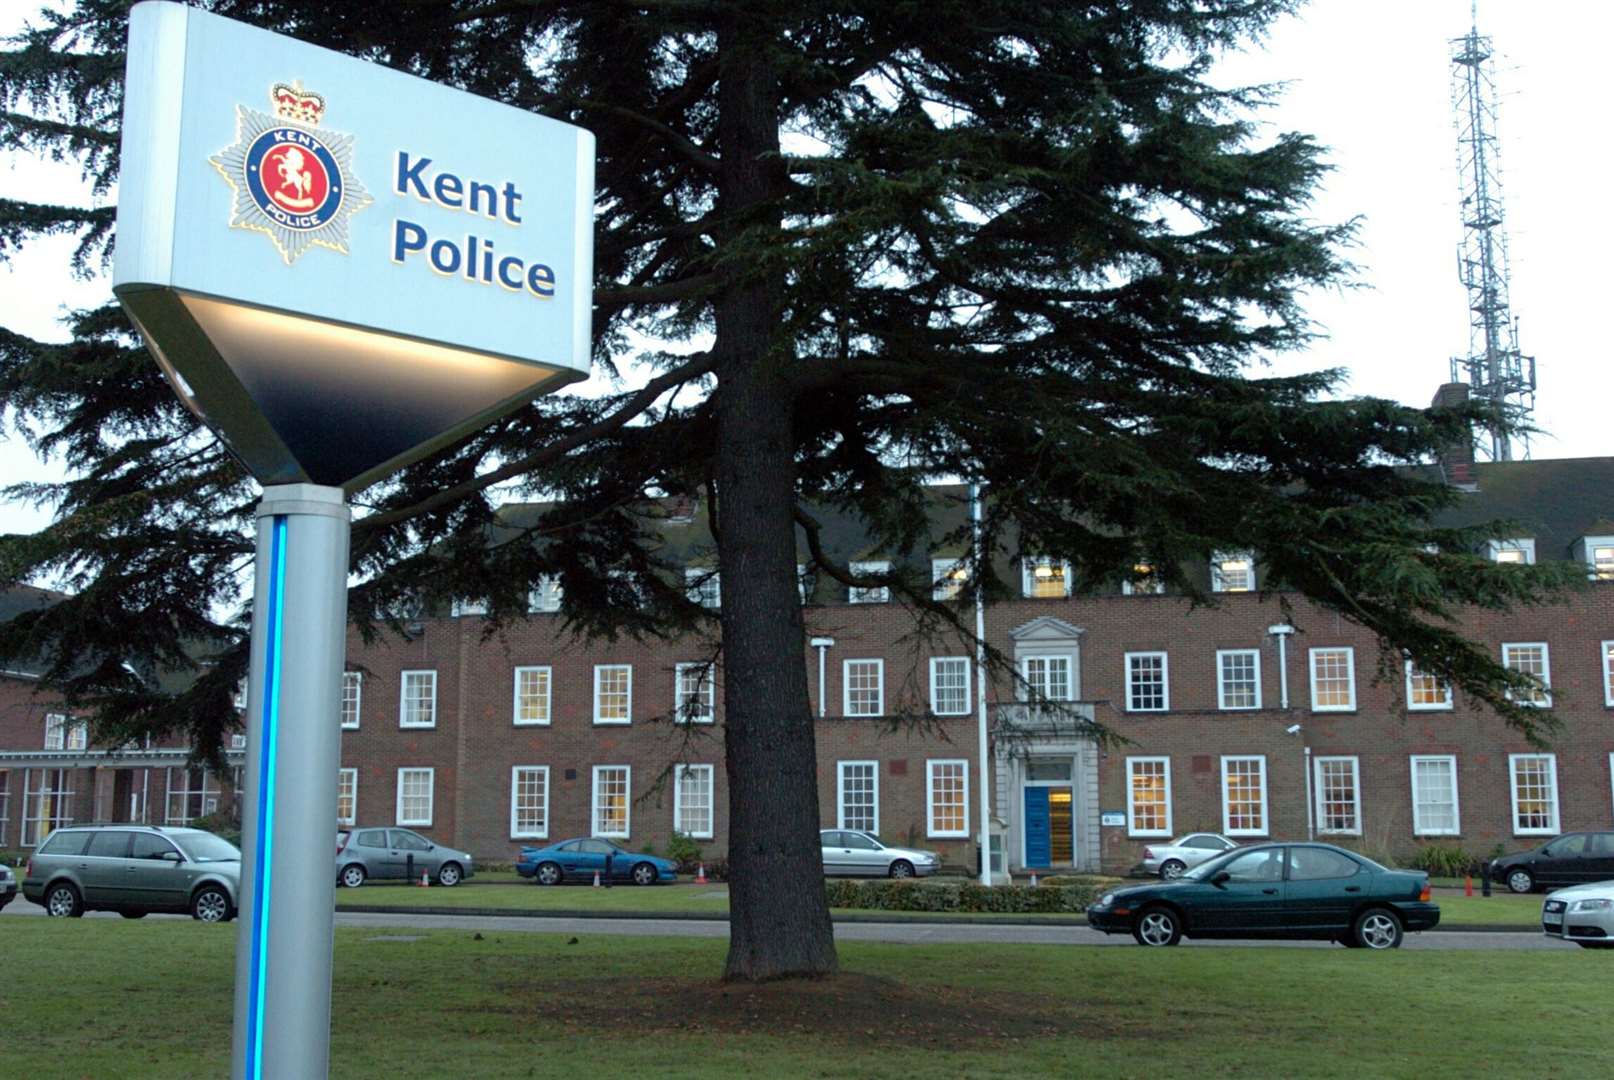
{"x": 546, "y": 713}
{"x": 949, "y": 577}
{"x": 1220, "y": 559}
{"x": 1028, "y": 570}
{"x": 1350, "y": 676}
{"x": 706, "y": 688}
{"x": 1319, "y": 772}
{"x": 935, "y": 701}
{"x": 208, "y": 796}
{"x": 627, "y": 711}
{"x": 1551, "y": 828}
{"x": 806, "y": 581}
{"x": 354, "y": 681}
{"x": 1592, "y": 543}
{"x": 1546, "y": 671}
{"x": 1419, "y": 827}
{"x": 1132, "y": 828}
{"x": 431, "y": 797}
{"x": 517, "y": 832}
{"x": 55, "y": 790}
{"x": 679, "y": 775}
{"x": 703, "y": 586}
{"x": 879, "y": 594}
{"x": 846, "y": 686}
{"x": 462, "y": 607}
{"x": 1221, "y": 680}
{"x": 1070, "y": 675}
{"x": 403, "y": 698}
{"x": 840, "y": 795}
{"x": 348, "y": 779}
{"x": 1414, "y": 706}
{"x": 1152, "y": 585}
{"x": 1227, "y": 817}
{"x": 627, "y": 803}
{"x": 545, "y": 597}
{"x": 55, "y": 731}
{"x": 1524, "y": 545}
{"x": 1606, "y": 655}
{"x": 931, "y": 768}
{"x": 1165, "y": 682}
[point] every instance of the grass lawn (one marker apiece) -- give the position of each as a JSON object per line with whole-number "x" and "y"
{"x": 156, "y": 997}
{"x": 1500, "y": 910}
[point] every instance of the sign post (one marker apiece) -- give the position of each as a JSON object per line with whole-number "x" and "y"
{"x": 339, "y": 268}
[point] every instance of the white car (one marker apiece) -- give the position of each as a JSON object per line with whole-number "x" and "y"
{"x": 1583, "y": 914}
{"x": 1184, "y": 853}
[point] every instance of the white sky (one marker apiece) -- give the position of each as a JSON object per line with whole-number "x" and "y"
{"x": 1371, "y": 81}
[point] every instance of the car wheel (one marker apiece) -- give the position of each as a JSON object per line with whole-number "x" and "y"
{"x": 1378, "y": 928}
{"x": 644, "y": 874}
{"x": 63, "y": 901}
{"x": 136, "y": 913}
{"x": 1521, "y": 881}
{"x": 352, "y": 876}
{"x": 548, "y": 874}
{"x": 1157, "y": 927}
{"x": 902, "y": 868}
{"x": 1172, "y": 869}
{"x": 449, "y": 875}
{"x": 210, "y": 904}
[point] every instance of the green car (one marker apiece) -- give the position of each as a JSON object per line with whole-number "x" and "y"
{"x": 1275, "y": 891}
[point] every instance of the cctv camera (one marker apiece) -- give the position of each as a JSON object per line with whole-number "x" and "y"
{"x": 1293, "y": 729}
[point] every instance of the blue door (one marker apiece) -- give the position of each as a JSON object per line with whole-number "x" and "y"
{"x": 1039, "y": 846}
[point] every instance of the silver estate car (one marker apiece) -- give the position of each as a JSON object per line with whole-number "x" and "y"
{"x": 397, "y": 854}
{"x": 135, "y": 869}
{"x": 851, "y": 853}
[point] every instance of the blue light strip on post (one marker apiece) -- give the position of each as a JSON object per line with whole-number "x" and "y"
{"x": 270, "y": 731}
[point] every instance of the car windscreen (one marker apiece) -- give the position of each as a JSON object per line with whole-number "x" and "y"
{"x": 1210, "y": 866}
{"x": 205, "y": 847}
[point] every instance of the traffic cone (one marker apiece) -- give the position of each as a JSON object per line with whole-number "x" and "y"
{"x": 596, "y": 879}
{"x": 1468, "y": 884}
{"x": 700, "y": 873}
{"x": 425, "y": 880}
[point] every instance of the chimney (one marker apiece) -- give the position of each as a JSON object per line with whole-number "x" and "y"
{"x": 1456, "y": 459}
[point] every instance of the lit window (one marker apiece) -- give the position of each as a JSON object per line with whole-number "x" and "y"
{"x": 613, "y": 693}
{"x": 1608, "y": 673}
{"x": 1047, "y": 677}
{"x": 1238, "y": 679}
{"x": 47, "y": 807}
{"x": 1521, "y": 552}
{"x": 78, "y": 735}
{"x": 192, "y": 794}
{"x": 947, "y": 796}
{"x": 418, "y": 706}
{"x": 532, "y": 696}
{"x": 611, "y": 800}
{"x": 1333, "y": 680}
{"x": 1534, "y": 784}
{"x": 1244, "y": 796}
{"x": 701, "y": 585}
{"x": 415, "y": 797}
{"x": 545, "y": 597}
{"x": 1147, "y": 688}
{"x": 1600, "y": 557}
{"x": 1339, "y": 807}
{"x": 1426, "y": 692}
{"x": 857, "y": 795}
{"x": 948, "y": 577}
{"x": 1143, "y": 582}
{"x": 352, "y": 692}
{"x": 1233, "y": 573}
{"x": 878, "y": 594}
{"x": 949, "y": 685}
{"x": 1434, "y": 795}
{"x": 529, "y": 802}
{"x": 1044, "y": 577}
{"x": 696, "y": 694}
{"x": 863, "y": 686}
{"x": 1530, "y": 658}
{"x": 1148, "y": 796}
{"x": 692, "y": 801}
{"x": 347, "y": 796}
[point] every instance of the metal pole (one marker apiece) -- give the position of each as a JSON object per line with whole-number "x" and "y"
{"x": 980, "y": 687}
{"x": 1311, "y": 830}
{"x": 287, "y": 902}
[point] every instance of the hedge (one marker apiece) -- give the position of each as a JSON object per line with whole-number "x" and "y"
{"x": 968, "y": 896}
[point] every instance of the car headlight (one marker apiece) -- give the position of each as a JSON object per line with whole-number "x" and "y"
{"x": 1592, "y": 905}
{"x": 1106, "y": 900}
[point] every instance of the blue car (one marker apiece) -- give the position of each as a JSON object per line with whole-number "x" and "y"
{"x": 581, "y": 859}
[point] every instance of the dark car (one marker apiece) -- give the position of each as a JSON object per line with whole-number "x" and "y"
{"x": 1571, "y": 859}
{"x": 8, "y": 886}
{"x": 582, "y": 858}
{"x": 1275, "y": 891}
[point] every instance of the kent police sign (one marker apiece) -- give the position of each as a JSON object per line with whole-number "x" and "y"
{"x": 339, "y": 266}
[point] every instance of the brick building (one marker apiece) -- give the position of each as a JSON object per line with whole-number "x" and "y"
{"x": 1239, "y": 719}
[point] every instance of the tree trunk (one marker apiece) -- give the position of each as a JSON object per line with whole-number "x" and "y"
{"x": 779, "y": 925}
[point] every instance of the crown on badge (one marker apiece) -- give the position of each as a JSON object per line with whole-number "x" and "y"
{"x": 296, "y": 104}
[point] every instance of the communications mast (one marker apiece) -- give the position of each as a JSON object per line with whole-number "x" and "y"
{"x": 1494, "y": 369}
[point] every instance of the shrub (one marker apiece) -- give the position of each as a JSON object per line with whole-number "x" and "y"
{"x": 683, "y": 850}
{"x": 1445, "y": 860}
{"x": 969, "y": 896}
